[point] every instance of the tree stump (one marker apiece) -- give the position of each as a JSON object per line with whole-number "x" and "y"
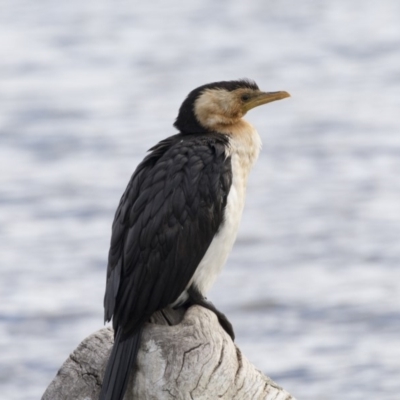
{"x": 192, "y": 359}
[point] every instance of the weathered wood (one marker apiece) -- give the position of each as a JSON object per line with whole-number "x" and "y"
{"x": 194, "y": 359}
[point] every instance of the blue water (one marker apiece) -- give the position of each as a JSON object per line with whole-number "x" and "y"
{"x": 313, "y": 284}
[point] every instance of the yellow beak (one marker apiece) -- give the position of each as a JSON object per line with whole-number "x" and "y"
{"x": 264, "y": 98}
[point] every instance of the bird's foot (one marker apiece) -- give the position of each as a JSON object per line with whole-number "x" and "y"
{"x": 224, "y": 322}
{"x": 197, "y": 298}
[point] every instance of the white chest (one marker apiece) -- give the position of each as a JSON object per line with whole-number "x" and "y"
{"x": 244, "y": 150}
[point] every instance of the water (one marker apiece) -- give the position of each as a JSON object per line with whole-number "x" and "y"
{"x": 313, "y": 284}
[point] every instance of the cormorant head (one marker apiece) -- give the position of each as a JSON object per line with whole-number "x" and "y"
{"x": 216, "y": 106}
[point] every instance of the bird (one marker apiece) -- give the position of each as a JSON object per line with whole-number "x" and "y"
{"x": 178, "y": 218}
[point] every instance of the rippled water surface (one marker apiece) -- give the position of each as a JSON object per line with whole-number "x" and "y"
{"x": 313, "y": 284}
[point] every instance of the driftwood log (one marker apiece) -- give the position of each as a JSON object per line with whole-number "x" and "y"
{"x": 193, "y": 358}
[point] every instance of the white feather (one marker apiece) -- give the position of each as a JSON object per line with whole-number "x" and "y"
{"x": 244, "y": 148}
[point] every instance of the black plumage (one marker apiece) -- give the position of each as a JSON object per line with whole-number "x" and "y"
{"x": 166, "y": 219}
{"x": 172, "y": 210}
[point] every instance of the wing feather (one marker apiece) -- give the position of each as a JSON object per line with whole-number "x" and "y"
{"x": 167, "y": 217}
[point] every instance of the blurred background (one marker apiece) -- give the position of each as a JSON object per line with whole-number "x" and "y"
{"x": 313, "y": 284}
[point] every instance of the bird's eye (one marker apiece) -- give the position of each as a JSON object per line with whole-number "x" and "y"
{"x": 245, "y": 97}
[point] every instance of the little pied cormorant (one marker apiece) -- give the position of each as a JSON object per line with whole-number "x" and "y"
{"x": 178, "y": 218}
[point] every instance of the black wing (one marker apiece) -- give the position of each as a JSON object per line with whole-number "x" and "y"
{"x": 171, "y": 210}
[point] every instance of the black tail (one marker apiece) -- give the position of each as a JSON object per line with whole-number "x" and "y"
{"x": 119, "y": 366}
